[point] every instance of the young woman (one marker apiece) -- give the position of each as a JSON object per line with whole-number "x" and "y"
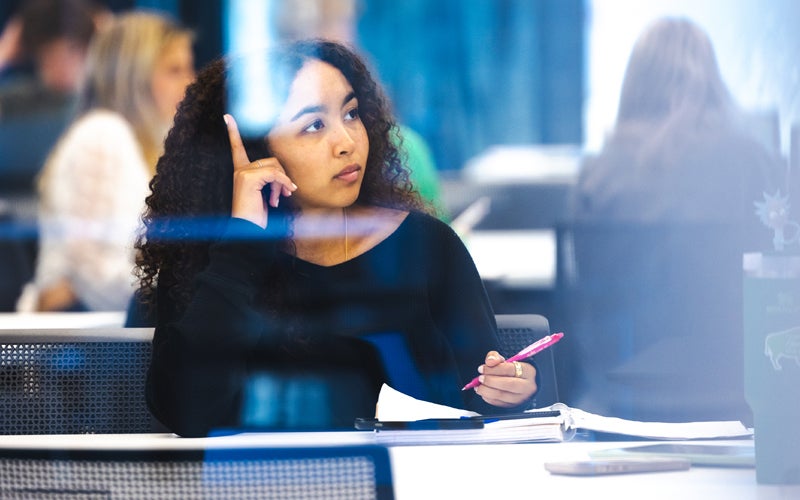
{"x": 93, "y": 185}
{"x": 679, "y": 151}
{"x": 294, "y": 274}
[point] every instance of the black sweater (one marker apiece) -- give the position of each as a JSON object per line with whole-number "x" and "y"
{"x": 418, "y": 289}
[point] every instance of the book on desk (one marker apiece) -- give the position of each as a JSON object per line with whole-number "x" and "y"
{"x": 402, "y": 419}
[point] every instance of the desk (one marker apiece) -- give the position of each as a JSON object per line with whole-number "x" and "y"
{"x": 463, "y": 471}
{"x": 61, "y": 320}
{"x": 519, "y": 259}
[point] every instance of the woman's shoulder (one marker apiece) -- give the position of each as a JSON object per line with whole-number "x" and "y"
{"x": 98, "y": 141}
{"x": 403, "y": 225}
{"x": 101, "y": 128}
{"x": 426, "y": 226}
{"x": 103, "y": 121}
{"x": 427, "y": 221}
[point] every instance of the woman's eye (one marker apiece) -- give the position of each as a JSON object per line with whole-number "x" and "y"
{"x": 315, "y": 126}
{"x": 351, "y": 115}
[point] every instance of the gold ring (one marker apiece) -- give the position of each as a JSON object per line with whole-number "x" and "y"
{"x": 258, "y": 163}
{"x": 517, "y": 369}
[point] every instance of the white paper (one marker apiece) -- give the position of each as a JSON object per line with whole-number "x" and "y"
{"x": 658, "y": 430}
{"x": 395, "y": 406}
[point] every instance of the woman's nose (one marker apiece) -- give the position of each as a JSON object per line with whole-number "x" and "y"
{"x": 343, "y": 142}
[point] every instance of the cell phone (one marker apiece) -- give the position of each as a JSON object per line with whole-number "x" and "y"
{"x": 697, "y": 454}
{"x": 371, "y": 424}
{"x": 617, "y": 466}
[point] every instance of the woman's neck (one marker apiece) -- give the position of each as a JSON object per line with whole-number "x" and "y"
{"x": 321, "y": 237}
{"x": 336, "y": 236}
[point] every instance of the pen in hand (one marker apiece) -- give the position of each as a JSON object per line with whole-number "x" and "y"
{"x": 529, "y": 351}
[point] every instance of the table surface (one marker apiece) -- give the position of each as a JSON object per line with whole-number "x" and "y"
{"x": 466, "y": 471}
{"x": 517, "y": 259}
{"x": 63, "y": 320}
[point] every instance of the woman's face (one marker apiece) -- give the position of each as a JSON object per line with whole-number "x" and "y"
{"x": 319, "y": 138}
{"x": 173, "y": 72}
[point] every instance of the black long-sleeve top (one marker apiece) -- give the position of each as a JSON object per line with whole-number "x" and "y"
{"x": 418, "y": 290}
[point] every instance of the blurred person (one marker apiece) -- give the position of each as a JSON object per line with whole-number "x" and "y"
{"x": 43, "y": 53}
{"x": 304, "y": 256}
{"x": 42, "y": 61}
{"x": 662, "y": 216}
{"x": 679, "y": 150}
{"x": 93, "y": 184}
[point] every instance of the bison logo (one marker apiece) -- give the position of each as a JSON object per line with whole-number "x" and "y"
{"x": 783, "y": 344}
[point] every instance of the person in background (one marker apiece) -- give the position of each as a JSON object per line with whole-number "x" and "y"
{"x": 43, "y": 54}
{"x": 680, "y": 150}
{"x": 93, "y": 184}
{"x": 662, "y": 216}
{"x": 303, "y": 256}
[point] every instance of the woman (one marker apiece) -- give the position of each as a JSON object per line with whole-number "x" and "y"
{"x": 665, "y": 212}
{"x": 680, "y": 151}
{"x": 306, "y": 255}
{"x": 94, "y": 183}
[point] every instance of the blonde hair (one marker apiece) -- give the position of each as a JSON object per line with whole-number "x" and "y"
{"x": 120, "y": 64}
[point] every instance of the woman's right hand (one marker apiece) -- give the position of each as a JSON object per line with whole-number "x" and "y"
{"x": 249, "y": 178}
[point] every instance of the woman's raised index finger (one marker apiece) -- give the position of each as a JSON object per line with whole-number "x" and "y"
{"x": 238, "y": 153}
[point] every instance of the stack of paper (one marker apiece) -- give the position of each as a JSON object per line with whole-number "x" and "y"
{"x": 395, "y": 406}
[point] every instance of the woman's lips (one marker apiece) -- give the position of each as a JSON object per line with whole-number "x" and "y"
{"x": 349, "y": 174}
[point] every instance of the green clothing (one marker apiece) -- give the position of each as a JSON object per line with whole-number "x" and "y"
{"x": 422, "y": 166}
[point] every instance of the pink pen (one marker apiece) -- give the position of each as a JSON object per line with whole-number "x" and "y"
{"x": 538, "y": 346}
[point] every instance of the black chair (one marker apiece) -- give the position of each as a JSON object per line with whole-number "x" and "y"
{"x": 654, "y": 314}
{"x": 329, "y": 472}
{"x": 74, "y": 381}
{"x": 517, "y": 331}
{"x": 18, "y": 250}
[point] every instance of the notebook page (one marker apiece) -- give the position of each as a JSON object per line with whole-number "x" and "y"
{"x": 393, "y": 405}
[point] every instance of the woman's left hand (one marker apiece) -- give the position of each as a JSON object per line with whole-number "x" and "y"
{"x": 506, "y": 384}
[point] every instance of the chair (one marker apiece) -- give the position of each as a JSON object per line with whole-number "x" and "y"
{"x": 74, "y": 381}
{"x": 654, "y": 312}
{"x": 517, "y": 331}
{"x": 331, "y": 472}
{"x": 18, "y": 249}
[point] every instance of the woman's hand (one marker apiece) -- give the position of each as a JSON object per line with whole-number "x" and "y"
{"x": 59, "y": 296}
{"x": 506, "y": 384}
{"x": 249, "y": 178}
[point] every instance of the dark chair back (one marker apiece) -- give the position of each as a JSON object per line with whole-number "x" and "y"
{"x": 517, "y": 331}
{"x": 74, "y": 381}
{"x": 18, "y": 250}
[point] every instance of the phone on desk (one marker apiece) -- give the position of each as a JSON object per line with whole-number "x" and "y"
{"x": 601, "y": 467}
{"x": 718, "y": 455}
{"x": 431, "y": 424}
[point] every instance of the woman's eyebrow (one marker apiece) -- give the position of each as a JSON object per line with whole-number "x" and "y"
{"x": 320, "y": 108}
{"x": 349, "y": 97}
{"x": 308, "y": 109}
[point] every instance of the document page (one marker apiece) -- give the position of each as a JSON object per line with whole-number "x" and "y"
{"x": 399, "y": 407}
{"x": 658, "y": 430}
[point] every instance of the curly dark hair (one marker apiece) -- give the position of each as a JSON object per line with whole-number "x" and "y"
{"x": 192, "y": 189}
